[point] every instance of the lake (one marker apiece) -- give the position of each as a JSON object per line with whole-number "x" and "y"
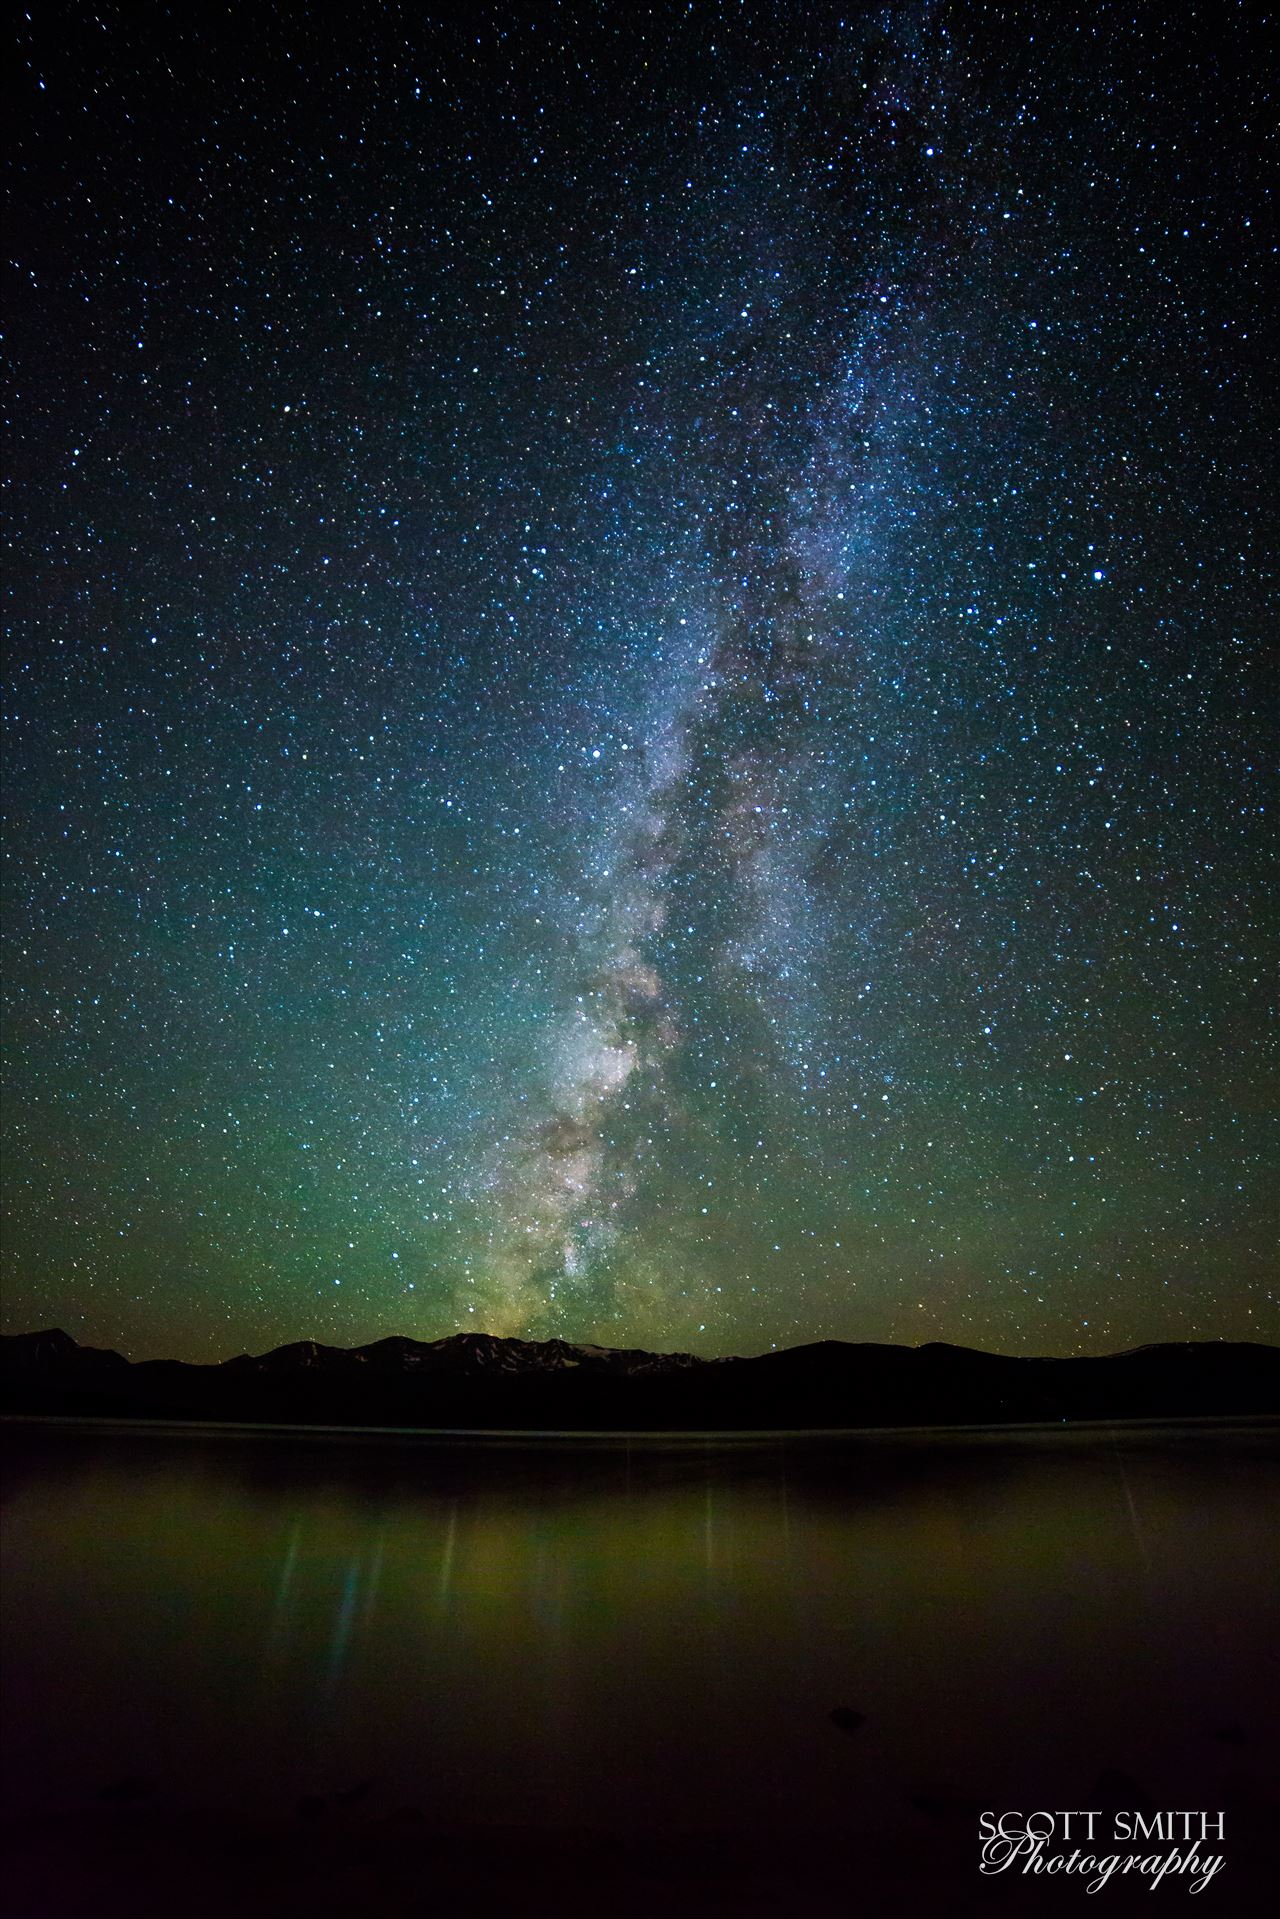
{"x": 366, "y": 1673}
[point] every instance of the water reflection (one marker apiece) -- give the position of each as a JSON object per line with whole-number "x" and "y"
{"x": 637, "y": 1638}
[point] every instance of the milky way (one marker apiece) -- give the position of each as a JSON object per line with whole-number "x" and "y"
{"x": 637, "y": 706}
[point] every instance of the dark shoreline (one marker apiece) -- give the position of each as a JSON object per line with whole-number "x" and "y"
{"x": 1217, "y": 1425}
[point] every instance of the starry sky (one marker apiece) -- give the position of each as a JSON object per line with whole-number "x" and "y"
{"x": 635, "y": 692}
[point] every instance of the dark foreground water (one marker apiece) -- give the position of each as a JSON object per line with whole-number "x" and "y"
{"x": 254, "y": 1673}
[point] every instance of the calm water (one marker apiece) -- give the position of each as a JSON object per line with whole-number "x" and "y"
{"x": 522, "y": 1656}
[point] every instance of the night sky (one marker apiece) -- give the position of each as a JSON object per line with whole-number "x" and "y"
{"x": 635, "y": 694}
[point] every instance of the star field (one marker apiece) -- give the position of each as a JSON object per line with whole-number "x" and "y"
{"x": 636, "y": 693}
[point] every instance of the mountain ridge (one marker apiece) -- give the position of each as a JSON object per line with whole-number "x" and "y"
{"x": 477, "y": 1379}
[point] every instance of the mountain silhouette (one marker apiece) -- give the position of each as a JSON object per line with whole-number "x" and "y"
{"x": 479, "y": 1381}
